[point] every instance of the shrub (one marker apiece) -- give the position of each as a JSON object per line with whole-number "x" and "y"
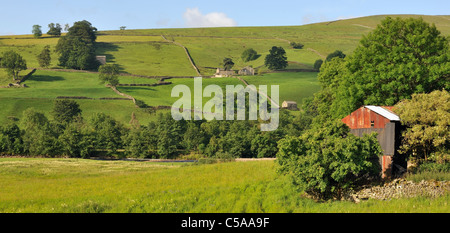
{"x": 328, "y": 162}
{"x": 296, "y": 45}
{"x": 249, "y": 55}
{"x": 318, "y": 64}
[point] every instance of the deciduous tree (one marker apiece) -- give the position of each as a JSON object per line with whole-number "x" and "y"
{"x": 14, "y": 63}
{"x": 37, "y": 33}
{"x": 44, "y": 58}
{"x": 276, "y": 59}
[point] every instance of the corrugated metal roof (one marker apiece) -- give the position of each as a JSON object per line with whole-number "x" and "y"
{"x": 384, "y": 112}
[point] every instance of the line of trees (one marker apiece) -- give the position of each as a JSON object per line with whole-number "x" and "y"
{"x": 76, "y": 49}
{"x": 53, "y": 30}
{"x": 66, "y": 133}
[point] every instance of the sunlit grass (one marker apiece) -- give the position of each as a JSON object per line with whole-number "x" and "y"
{"x": 80, "y": 186}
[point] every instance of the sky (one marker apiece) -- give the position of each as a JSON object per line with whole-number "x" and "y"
{"x": 18, "y": 16}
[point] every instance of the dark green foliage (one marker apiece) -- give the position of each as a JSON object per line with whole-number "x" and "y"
{"x": 170, "y": 135}
{"x": 76, "y": 141}
{"x": 77, "y": 48}
{"x": 277, "y": 59}
{"x": 14, "y": 63}
{"x": 426, "y": 118}
{"x": 337, "y": 53}
{"x": 329, "y": 162}
{"x": 399, "y": 58}
{"x": 141, "y": 142}
{"x": 44, "y": 57}
{"x": 66, "y": 111}
{"x": 228, "y": 63}
{"x": 108, "y": 73}
{"x": 11, "y": 142}
{"x": 296, "y": 45}
{"x": 107, "y": 133}
{"x": 37, "y": 33}
{"x": 40, "y": 137}
{"x": 249, "y": 55}
{"x": 318, "y": 63}
{"x": 54, "y": 30}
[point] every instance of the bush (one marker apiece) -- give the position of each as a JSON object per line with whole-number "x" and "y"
{"x": 434, "y": 167}
{"x": 296, "y": 45}
{"x": 318, "y": 64}
{"x": 249, "y": 55}
{"x": 328, "y": 162}
{"x": 337, "y": 53}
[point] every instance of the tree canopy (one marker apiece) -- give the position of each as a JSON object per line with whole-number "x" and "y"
{"x": 228, "y": 63}
{"x": 37, "y": 33}
{"x": 276, "y": 59}
{"x": 44, "y": 57}
{"x": 77, "y": 47}
{"x": 13, "y": 63}
{"x": 249, "y": 55}
{"x": 108, "y": 73}
{"x": 54, "y": 29}
{"x": 427, "y": 118}
{"x": 399, "y": 58}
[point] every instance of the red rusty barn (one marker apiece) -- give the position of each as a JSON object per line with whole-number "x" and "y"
{"x": 386, "y": 123}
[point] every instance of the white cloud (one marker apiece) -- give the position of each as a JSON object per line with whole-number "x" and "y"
{"x": 194, "y": 18}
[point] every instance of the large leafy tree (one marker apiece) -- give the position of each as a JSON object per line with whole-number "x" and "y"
{"x": 427, "y": 118}
{"x": 108, "y": 73}
{"x": 399, "y": 58}
{"x": 66, "y": 111}
{"x": 329, "y": 162}
{"x": 13, "y": 63}
{"x": 249, "y": 55}
{"x": 37, "y": 33}
{"x": 77, "y": 48}
{"x": 54, "y": 29}
{"x": 228, "y": 63}
{"x": 276, "y": 59}
{"x": 44, "y": 58}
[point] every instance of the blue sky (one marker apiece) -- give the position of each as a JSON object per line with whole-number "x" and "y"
{"x": 18, "y": 16}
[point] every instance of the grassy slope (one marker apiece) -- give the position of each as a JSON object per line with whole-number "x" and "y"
{"x": 145, "y": 52}
{"x": 75, "y": 185}
{"x": 45, "y": 86}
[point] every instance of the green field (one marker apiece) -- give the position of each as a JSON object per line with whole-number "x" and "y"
{"x": 292, "y": 86}
{"x": 44, "y": 86}
{"x": 146, "y": 52}
{"x": 88, "y": 186}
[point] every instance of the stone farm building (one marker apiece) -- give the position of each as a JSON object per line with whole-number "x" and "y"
{"x": 101, "y": 59}
{"x": 291, "y": 105}
{"x": 386, "y": 123}
{"x": 247, "y": 71}
{"x": 223, "y": 73}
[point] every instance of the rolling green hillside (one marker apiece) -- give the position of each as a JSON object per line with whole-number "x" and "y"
{"x": 160, "y": 52}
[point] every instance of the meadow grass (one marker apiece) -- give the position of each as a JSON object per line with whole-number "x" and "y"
{"x": 293, "y": 86}
{"x": 145, "y": 52}
{"x": 161, "y": 95}
{"x": 44, "y": 86}
{"x": 81, "y": 186}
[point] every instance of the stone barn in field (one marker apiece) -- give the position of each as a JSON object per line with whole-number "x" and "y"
{"x": 101, "y": 59}
{"x": 291, "y": 105}
{"x": 386, "y": 123}
{"x": 223, "y": 73}
{"x": 247, "y": 71}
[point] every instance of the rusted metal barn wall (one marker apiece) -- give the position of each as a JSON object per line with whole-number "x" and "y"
{"x": 365, "y": 118}
{"x": 365, "y": 121}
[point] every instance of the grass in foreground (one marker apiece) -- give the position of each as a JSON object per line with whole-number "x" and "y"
{"x": 85, "y": 186}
